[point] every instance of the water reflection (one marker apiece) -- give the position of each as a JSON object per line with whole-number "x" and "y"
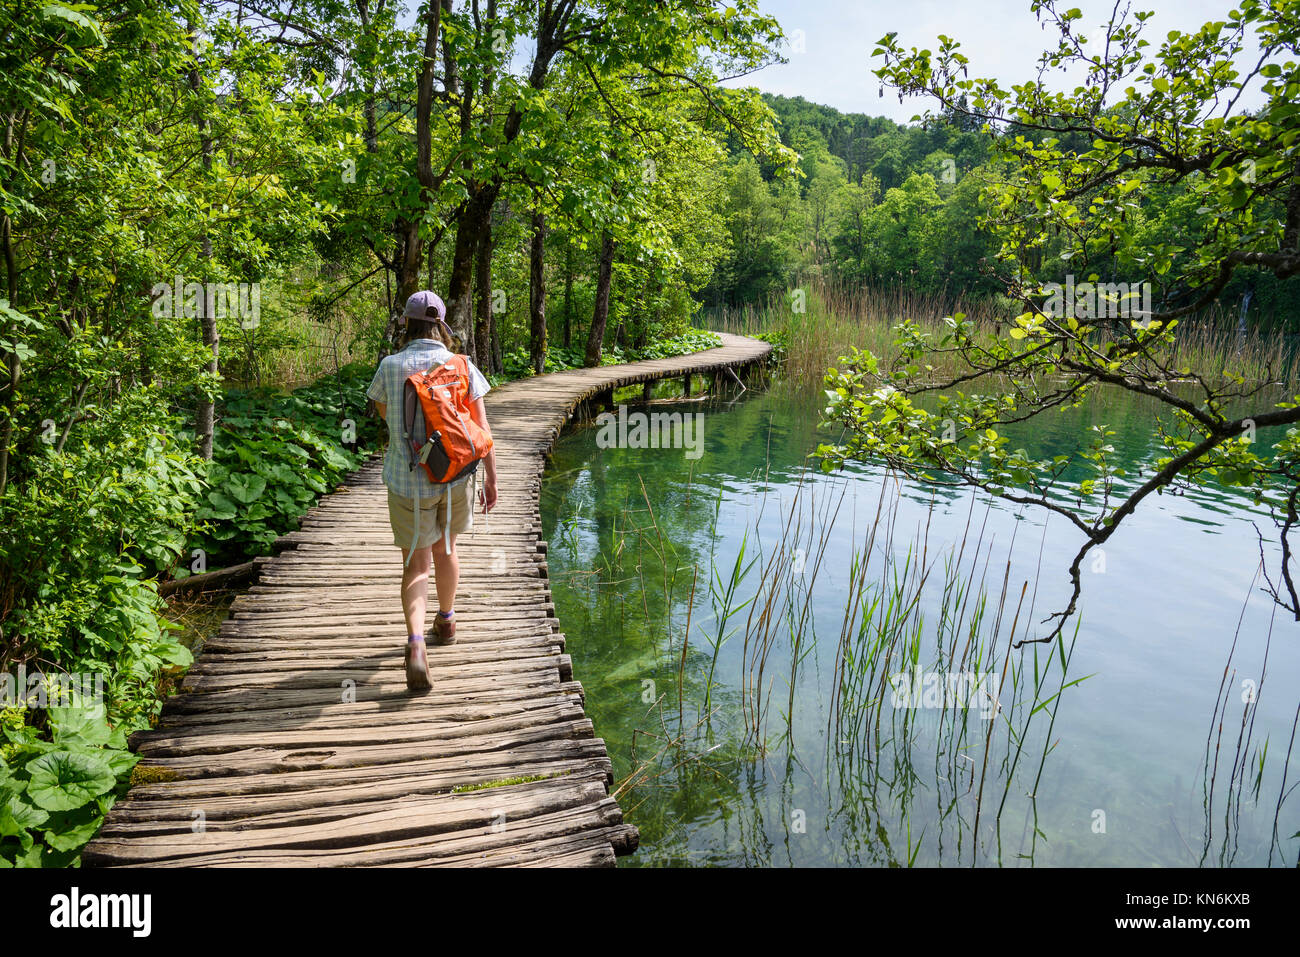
{"x": 739, "y": 623}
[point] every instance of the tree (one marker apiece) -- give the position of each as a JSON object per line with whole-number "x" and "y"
{"x": 852, "y": 237}
{"x": 537, "y": 294}
{"x": 600, "y": 313}
{"x": 1174, "y": 122}
{"x": 763, "y": 236}
{"x": 902, "y": 225}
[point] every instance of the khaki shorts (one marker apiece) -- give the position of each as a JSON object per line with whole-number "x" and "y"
{"x": 433, "y": 514}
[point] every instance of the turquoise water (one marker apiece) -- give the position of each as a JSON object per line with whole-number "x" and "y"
{"x": 775, "y": 733}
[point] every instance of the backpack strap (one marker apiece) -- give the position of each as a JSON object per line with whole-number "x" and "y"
{"x": 410, "y": 400}
{"x": 410, "y": 403}
{"x": 461, "y": 364}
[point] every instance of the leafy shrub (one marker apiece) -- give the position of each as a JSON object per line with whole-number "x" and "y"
{"x": 692, "y": 340}
{"x": 84, "y": 534}
{"x": 780, "y": 340}
{"x": 558, "y": 359}
{"x": 273, "y": 456}
{"x": 87, "y": 533}
{"x": 54, "y": 793}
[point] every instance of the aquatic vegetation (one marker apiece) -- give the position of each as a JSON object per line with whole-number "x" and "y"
{"x": 801, "y": 668}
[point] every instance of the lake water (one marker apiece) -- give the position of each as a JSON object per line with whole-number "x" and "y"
{"x": 766, "y": 730}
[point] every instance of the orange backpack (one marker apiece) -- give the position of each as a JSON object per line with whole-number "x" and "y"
{"x": 453, "y": 443}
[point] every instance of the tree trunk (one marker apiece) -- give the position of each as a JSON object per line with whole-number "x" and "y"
{"x": 647, "y": 317}
{"x": 12, "y": 359}
{"x": 568, "y": 290}
{"x": 450, "y": 66}
{"x": 408, "y": 246}
{"x": 498, "y": 363}
{"x": 206, "y": 417}
{"x": 205, "y": 413}
{"x": 460, "y": 286}
{"x": 537, "y": 295}
{"x": 408, "y": 265}
{"x": 474, "y": 223}
{"x": 483, "y": 292}
{"x": 393, "y": 271}
{"x": 600, "y": 314}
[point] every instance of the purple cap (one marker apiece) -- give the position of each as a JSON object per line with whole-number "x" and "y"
{"x": 425, "y": 305}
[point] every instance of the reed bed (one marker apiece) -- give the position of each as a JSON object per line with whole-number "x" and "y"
{"x": 911, "y": 608}
{"x": 1233, "y": 782}
{"x": 823, "y": 323}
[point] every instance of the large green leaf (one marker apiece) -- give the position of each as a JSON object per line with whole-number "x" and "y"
{"x": 246, "y": 488}
{"x": 63, "y": 780}
{"x": 85, "y": 727}
{"x": 222, "y": 508}
{"x": 16, "y": 815}
{"x": 334, "y": 458}
{"x": 68, "y": 830}
{"x": 56, "y": 10}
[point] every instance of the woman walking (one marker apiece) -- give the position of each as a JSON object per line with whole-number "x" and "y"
{"x": 424, "y": 513}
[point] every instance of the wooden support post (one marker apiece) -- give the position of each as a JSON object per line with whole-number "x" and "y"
{"x": 647, "y": 389}
{"x": 686, "y": 384}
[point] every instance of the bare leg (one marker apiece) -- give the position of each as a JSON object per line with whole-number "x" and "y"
{"x": 446, "y": 573}
{"x": 415, "y": 589}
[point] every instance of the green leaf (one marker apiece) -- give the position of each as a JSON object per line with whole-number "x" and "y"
{"x": 246, "y": 488}
{"x": 63, "y": 780}
{"x": 17, "y": 817}
{"x": 84, "y": 727}
{"x": 69, "y": 830}
{"x": 222, "y": 507}
{"x": 56, "y": 10}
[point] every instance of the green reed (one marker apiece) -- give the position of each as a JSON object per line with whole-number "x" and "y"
{"x": 825, "y": 322}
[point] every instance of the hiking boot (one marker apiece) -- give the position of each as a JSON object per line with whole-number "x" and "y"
{"x": 444, "y": 629}
{"x": 417, "y": 667}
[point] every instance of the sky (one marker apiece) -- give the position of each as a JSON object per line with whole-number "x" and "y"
{"x": 1002, "y": 38}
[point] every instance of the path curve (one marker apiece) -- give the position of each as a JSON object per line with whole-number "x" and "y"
{"x": 294, "y": 741}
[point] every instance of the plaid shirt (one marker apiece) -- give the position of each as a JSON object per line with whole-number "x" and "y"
{"x": 390, "y": 378}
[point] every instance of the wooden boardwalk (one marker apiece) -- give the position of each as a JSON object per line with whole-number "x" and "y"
{"x": 294, "y": 741}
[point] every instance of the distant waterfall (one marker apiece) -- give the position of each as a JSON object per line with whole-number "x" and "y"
{"x": 1241, "y": 316}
